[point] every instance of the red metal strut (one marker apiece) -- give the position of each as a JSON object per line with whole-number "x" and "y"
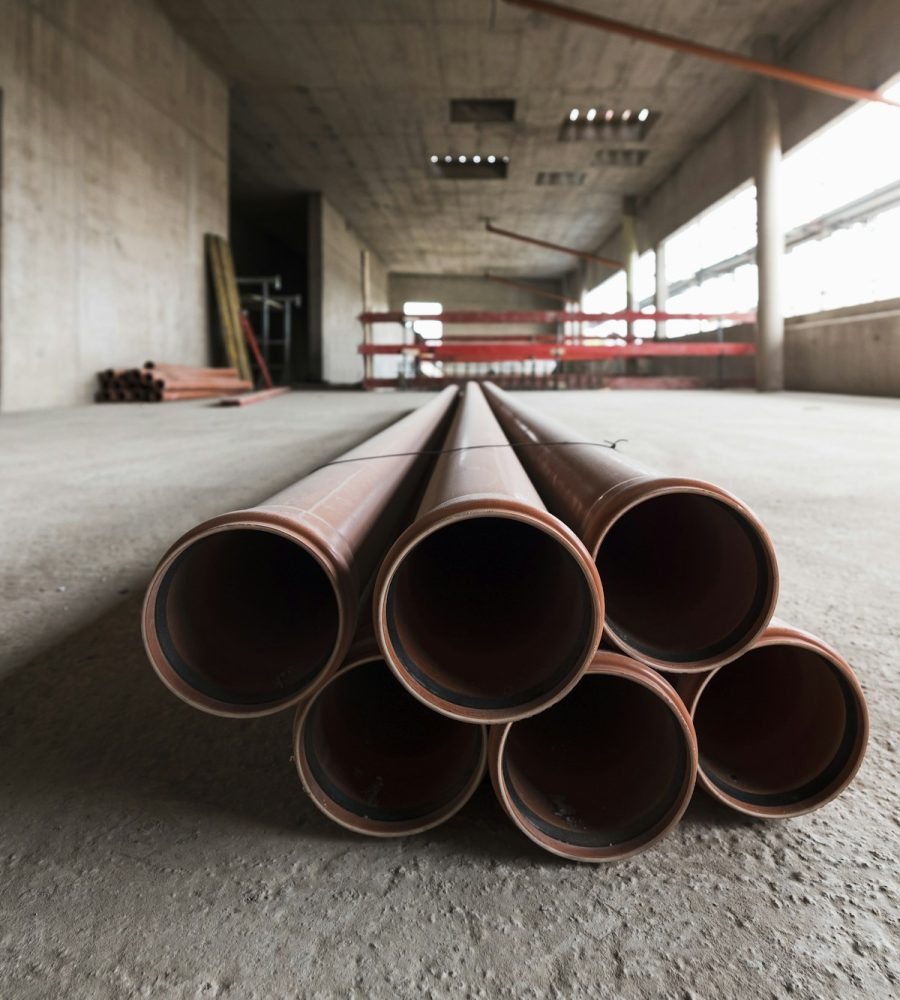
{"x": 497, "y": 231}
{"x": 733, "y": 59}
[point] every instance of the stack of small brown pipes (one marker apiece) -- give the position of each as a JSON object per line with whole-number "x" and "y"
{"x": 478, "y": 588}
{"x": 162, "y": 383}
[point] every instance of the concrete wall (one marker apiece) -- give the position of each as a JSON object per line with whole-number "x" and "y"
{"x": 114, "y": 152}
{"x": 341, "y": 297}
{"x": 855, "y": 350}
{"x": 455, "y": 292}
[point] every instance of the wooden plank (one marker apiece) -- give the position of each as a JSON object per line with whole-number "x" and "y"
{"x": 215, "y": 269}
{"x": 234, "y": 305}
{"x": 225, "y": 286}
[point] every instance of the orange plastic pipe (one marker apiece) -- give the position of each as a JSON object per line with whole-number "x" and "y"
{"x": 605, "y": 773}
{"x": 689, "y": 573}
{"x": 783, "y": 729}
{"x": 487, "y": 607}
{"x": 252, "y": 610}
{"x": 376, "y": 760}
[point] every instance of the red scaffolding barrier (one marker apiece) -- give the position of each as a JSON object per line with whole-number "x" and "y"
{"x": 544, "y": 358}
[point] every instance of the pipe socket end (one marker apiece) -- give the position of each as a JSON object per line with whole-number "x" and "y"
{"x": 247, "y": 613}
{"x": 488, "y": 612}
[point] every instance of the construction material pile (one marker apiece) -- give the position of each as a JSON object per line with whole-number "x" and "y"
{"x": 596, "y": 636}
{"x": 161, "y": 383}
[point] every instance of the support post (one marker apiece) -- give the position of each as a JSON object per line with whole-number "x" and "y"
{"x": 769, "y": 230}
{"x": 630, "y": 256}
{"x": 366, "y": 295}
{"x": 661, "y": 298}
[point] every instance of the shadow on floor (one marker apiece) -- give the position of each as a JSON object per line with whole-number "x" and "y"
{"x": 90, "y": 714}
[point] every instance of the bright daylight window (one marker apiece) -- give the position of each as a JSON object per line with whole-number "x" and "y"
{"x": 430, "y": 329}
{"x": 841, "y": 197}
{"x": 609, "y": 296}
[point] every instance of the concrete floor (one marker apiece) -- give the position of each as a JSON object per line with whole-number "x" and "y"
{"x": 147, "y": 850}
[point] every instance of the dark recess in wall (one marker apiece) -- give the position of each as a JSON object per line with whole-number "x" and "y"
{"x": 271, "y": 235}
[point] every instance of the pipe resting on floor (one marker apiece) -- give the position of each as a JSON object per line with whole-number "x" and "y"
{"x": 250, "y": 611}
{"x": 376, "y": 760}
{"x": 487, "y": 607}
{"x": 606, "y": 772}
{"x": 689, "y": 573}
{"x": 782, "y": 730}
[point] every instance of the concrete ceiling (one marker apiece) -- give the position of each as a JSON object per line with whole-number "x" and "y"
{"x": 351, "y": 97}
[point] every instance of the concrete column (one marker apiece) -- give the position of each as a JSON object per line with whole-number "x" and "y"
{"x": 661, "y": 297}
{"x": 365, "y": 277}
{"x": 630, "y": 255}
{"x": 769, "y": 229}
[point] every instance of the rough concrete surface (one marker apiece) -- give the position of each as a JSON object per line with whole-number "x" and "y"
{"x": 147, "y": 850}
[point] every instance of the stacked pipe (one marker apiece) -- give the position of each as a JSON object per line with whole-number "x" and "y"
{"x": 161, "y": 383}
{"x": 432, "y": 603}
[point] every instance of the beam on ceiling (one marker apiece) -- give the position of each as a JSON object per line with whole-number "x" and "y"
{"x": 734, "y": 59}
{"x": 497, "y": 231}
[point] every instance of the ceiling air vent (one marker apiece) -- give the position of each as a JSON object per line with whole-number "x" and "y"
{"x": 482, "y": 109}
{"x": 620, "y": 157}
{"x": 560, "y": 178}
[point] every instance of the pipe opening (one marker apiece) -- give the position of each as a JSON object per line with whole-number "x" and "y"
{"x": 777, "y": 727}
{"x": 490, "y": 613}
{"x": 686, "y": 577}
{"x": 606, "y": 768}
{"x": 380, "y": 754}
{"x": 246, "y": 616}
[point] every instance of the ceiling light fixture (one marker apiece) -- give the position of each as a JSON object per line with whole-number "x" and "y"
{"x": 462, "y": 159}
{"x": 573, "y": 115}
{"x": 434, "y": 159}
{"x": 492, "y": 159}
{"x": 506, "y": 159}
{"x": 626, "y": 114}
{"x": 643, "y": 114}
{"x": 448, "y": 159}
{"x": 592, "y": 114}
{"x": 609, "y": 114}
{"x": 476, "y": 159}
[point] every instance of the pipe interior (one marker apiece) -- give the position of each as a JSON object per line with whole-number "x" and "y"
{"x": 490, "y": 612}
{"x": 379, "y": 753}
{"x": 776, "y": 726}
{"x": 601, "y": 768}
{"x": 685, "y": 577}
{"x": 246, "y": 616}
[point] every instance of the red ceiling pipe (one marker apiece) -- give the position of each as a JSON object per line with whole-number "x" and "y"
{"x": 782, "y": 729}
{"x": 487, "y": 607}
{"x": 606, "y": 772}
{"x": 689, "y": 573}
{"x": 376, "y": 760}
{"x": 526, "y": 286}
{"x": 734, "y": 59}
{"x": 250, "y": 610}
{"x": 584, "y": 254}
